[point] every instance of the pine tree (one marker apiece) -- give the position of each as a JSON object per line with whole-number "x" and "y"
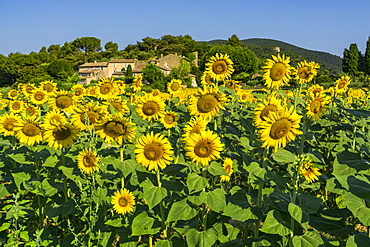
{"x": 367, "y": 58}
{"x": 351, "y": 59}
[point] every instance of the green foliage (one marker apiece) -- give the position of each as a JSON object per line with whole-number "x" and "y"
{"x": 60, "y": 69}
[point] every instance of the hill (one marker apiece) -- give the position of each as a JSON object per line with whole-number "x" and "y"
{"x": 264, "y": 48}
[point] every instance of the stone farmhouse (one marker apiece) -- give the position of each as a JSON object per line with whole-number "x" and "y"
{"x": 113, "y": 68}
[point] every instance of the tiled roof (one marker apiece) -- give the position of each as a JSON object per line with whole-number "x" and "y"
{"x": 97, "y": 64}
{"x": 123, "y": 61}
{"x": 139, "y": 67}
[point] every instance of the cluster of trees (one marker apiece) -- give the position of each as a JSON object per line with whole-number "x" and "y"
{"x": 355, "y": 63}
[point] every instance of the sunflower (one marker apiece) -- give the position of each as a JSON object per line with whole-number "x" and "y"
{"x": 317, "y": 106}
{"x": 245, "y": 96}
{"x": 206, "y": 79}
{"x": 92, "y": 91}
{"x": 262, "y": 110}
{"x": 106, "y": 88}
{"x": 78, "y": 90}
{"x": 203, "y": 147}
{"x": 315, "y": 90}
{"x": 13, "y": 94}
{"x": 232, "y": 84}
{"x": 116, "y": 129}
{"x": 16, "y": 106}
{"x": 342, "y": 84}
{"x": 88, "y": 115}
{"x": 277, "y": 71}
{"x": 228, "y": 167}
{"x": 116, "y": 106}
{"x": 306, "y": 71}
{"x": 60, "y": 135}
{"x": 174, "y": 86}
{"x": 31, "y": 110}
{"x": 306, "y": 170}
{"x": 150, "y": 107}
{"x": 48, "y": 86}
{"x": 7, "y": 122}
{"x": 207, "y": 102}
{"x": 156, "y": 92}
{"x": 27, "y": 89}
{"x": 123, "y": 201}
{"x": 279, "y": 128}
{"x": 137, "y": 83}
{"x": 87, "y": 161}
{"x": 29, "y": 130}
{"x": 38, "y": 97}
{"x": 153, "y": 151}
{"x": 220, "y": 67}
{"x": 169, "y": 119}
{"x": 195, "y": 125}
{"x": 62, "y": 100}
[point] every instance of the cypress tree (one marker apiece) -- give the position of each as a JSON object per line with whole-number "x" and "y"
{"x": 367, "y": 58}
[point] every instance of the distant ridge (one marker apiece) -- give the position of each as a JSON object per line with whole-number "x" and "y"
{"x": 264, "y": 48}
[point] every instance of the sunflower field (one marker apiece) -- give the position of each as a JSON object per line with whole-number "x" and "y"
{"x": 219, "y": 165}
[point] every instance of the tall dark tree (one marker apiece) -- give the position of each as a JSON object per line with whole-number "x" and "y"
{"x": 111, "y": 47}
{"x": 234, "y": 41}
{"x": 87, "y": 45}
{"x": 367, "y": 58}
{"x": 60, "y": 69}
{"x": 350, "y": 59}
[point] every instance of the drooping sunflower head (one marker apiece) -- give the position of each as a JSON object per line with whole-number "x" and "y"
{"x": 49, "y": 86}
{"x": 306, "y": 71}
{"x": 153, "y": 151}
{"x": 38, "y": 97}
{"x": 315, "y": 90}
{"x": 62, "y": 100}
{"x": 123, "y": 201}
{"x": 89, "y": 115}
{"x": 203, "y": 147}
{"x": 279, "y": 128}
{"x": 116, "y": 128}
{"x": 207, "y": 79}
{"x": 228, "y": 167}
{"x": 277, "y": 71}
{"x": 7, "y": 122}
{"x": 207, "y": 102}
{"x": 29, "y": 130}
{"x": 116, "y": 106}
{"x": 169, "y": 119}
{"x": 174, "y": 86}
{"x": 137, "y": 83}
{"x": 27, "y": 89}
{"x": 31, "y": 110}
{"x": 107, "y": 88}
{"x": 150, "y": 107}
{"x": 88, "y": 161}
{"x": 232, "y": 84}
{"x": 220, "y": 67}
{"x": 342, "y": 84}
{"x": 317, "y": 106}
{"x": 60, "y": 135}
{"x": 262, "y": 110}
{"x": 307, "y": 170}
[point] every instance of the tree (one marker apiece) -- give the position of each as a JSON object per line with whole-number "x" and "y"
{"x": 350, "y": 61}
{"x": 154, "y": 76}
{"x": 111, "y": 47}
{"x": 60, "y": 69}
{"x": 234, "y": 41}
{"x": 367, "y": 58}
{"x": 87, "y": 45}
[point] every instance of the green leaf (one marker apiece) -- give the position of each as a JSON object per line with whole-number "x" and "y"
{"x": 274, "y": 224}
{"x": 181, "y": 211}
{"x": 255, "y": 171}
{"x": 297, "y": 213}
{"x": 284, "y": 156}
{"x": 337, "y": 228}
{"x": 20, "y": 177}
{"x": 163, "y": 243}
{"x": 308, "y": 239}
{"x": 19, "y": 158}
{"x": 4, "y": 226}
{"x": 358, "y": 113}
{"x": 358, "y": 208}
{"x": 99, "y": 195}
{"x": 68, "y": 172}
{"x": 215, "y": 199}
{"x": 359, "y": 187}
{"x": 51, "y": 161}
{"x": 201, "y": 239}
{"x": 195, "y": 182}
{"x": 154, "y": 195}
{"x": 238, "y": 213}
{"x": 309, "y": 204}
{"x": 358, "y": 240}
{"x": 114, "y": 222}
{"x": 216, "y": 169}
{"x": 47, "y": 189}
{"x": 353, "y": 160}
{"x": 226, "y": 232}
{"x": 126, "y": 166}
{"x": 143, "y": 224}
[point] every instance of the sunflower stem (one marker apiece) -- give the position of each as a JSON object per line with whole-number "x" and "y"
{"x": 161, "y": 207}
{"x": 39, "y": 199}
{"x": 121, "y": 151}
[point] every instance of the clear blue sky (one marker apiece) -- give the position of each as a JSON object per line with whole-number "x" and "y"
{"x": 322, "y": 25}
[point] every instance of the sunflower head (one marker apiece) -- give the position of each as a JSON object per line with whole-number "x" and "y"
{"x": 123, "y": 201}
{"x": 106, "y": 88}
{"x": 262, "y": 110}
{"x": 317, "y": 106}
{"x": 277, "y": 71}
{"x": 87, "y": 160}
{"x": 60, "y": 135}
{"x": 306, "y": 71}
{"x": 228, "y": 167}
{"x": 307, "y": 170}
{"x": 150, "y": 107}
{"x": 342, "y": 84}
{"x": 169, "y": 119}
{"x": 48, "y": 86}
{"x": 29, "y": 130}
{"x": 220, "y": 67}
{"x": 174, "y": 86}
{"x": 38, "y": 97}
{"x": 7, "y": 123}
{"x": 116, "y": 128}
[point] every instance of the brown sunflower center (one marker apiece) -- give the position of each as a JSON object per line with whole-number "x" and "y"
{"x": 342, "y": 84}
{"x": 265, "y": 112}
{"x": 175, "y": 86}
{"x": 48, "y": 87}
{"x": 30, "y": 130}
{"x": 277, "y": 71}
{"x": 227, "y": 169}
{"x": 78, "y": 91}
{"x": 196, "y": 129}
{"x": 106, "y": 88}
{"x": 150, "y": 108}
{"x": 63, "y": 101}
{"x": 30, "y": 111}
{"x": 155, "y": 92}
{"x": 29, "y": 89}
{"x": 244, "y": 96}
{"x": 16, "y": 106}
{"x": 169, "y": 118}
{"x": 137, "y": 82}
{"x": 203, "y": 149}
{"x": 153, "y": 151}
{"x": 207, "y": 103}
{"x": 61, "y": 133}
{"x": 117, "y": 106}
{"x": 207, "y": 78}
{"x": 88, "y": 160}
{"x": 280, "y": 128}
{"x": 303, "y": 73}
{"x": 219, "y": 67}
{"x": 122, "y": 201}
{"x": 9, "y": 124}
{"x": 90, "y": 117}
{"x": 39, "y": 96}
{"x": 316, "y": 91}
{"x": 315, "y": 106}
{"x": 13, "y": 93}
{"x": 115, "y": 128}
